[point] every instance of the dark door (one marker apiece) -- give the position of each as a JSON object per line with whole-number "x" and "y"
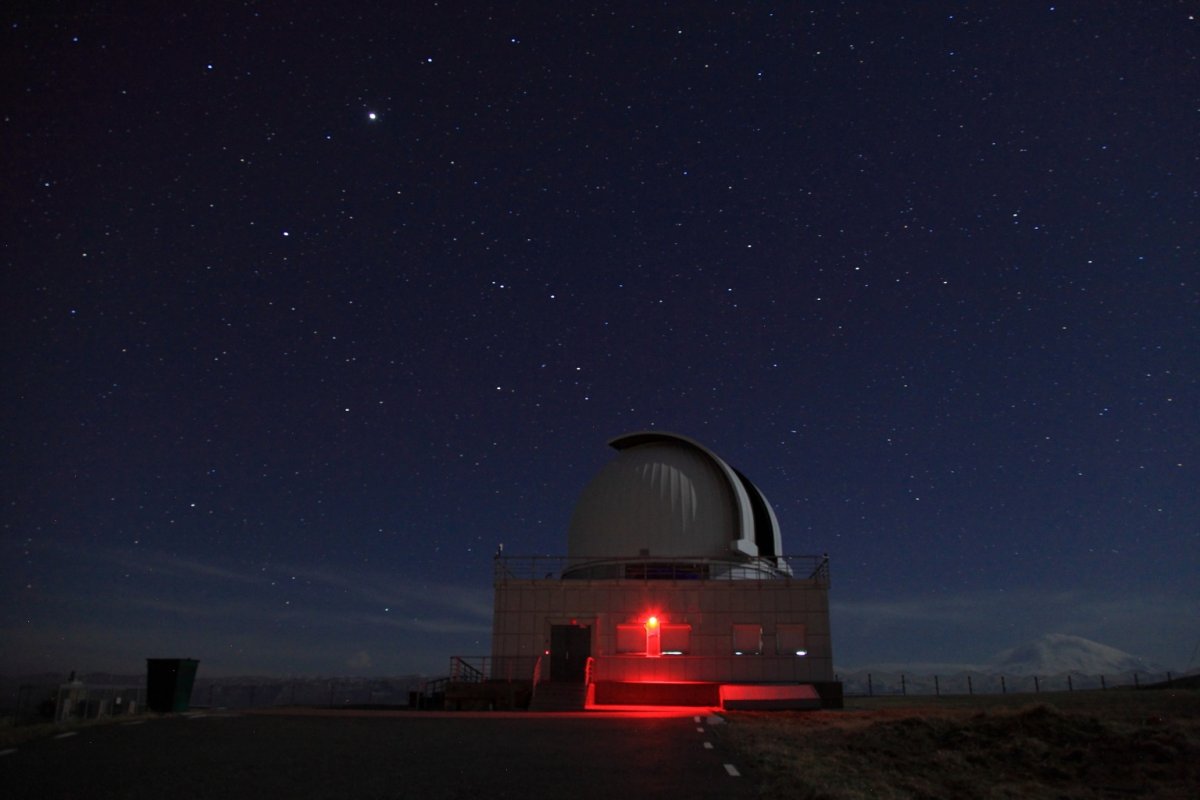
{"x": 570, "y": 646}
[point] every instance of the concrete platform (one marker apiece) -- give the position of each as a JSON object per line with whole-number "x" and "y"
{"x": 710, "y": 695}
{"x": 737, "y": 697}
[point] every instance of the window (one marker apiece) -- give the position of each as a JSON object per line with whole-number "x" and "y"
{"x": 790, "y": 640}
{"x": 631, "y": 638}
{"x": 747, "y": 640}
{"x": 676, "y": 639}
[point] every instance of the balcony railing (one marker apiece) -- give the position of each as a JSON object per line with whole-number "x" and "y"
{"x": 650, "y": 568}
{"x": 470, "y": 669}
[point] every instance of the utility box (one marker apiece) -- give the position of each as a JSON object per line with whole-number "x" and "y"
{"x": 169, "y": 683}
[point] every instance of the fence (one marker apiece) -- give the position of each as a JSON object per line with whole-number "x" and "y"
{"x": 30, "y": 702}
{"x": 75, "y": 700}
{"x": 873, "y": 684}
{"x": 676, "y": 568}
{"x": 327, "y": 692}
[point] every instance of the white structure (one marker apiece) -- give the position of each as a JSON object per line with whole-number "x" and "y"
{"x": 674, "y": 590}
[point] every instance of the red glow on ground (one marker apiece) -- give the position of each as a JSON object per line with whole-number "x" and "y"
{"x": 641, "y": 682}
{"x": 653, "y": 711}
{"x": 628, "y": 712}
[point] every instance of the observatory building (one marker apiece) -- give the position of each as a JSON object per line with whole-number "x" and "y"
{"x": 675, "y": 590}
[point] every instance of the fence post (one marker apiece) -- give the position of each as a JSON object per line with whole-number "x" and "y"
{"x": 937, "y": 689}
{"x": 1103, "y": 685}
{"x": 970, "y": 686}
{"x": 1037, "y": 688}
{"x": 1003, "y": 686}
{"x": 903, "y": 684}
{"x": 1070, "y": 685}
{"x": 870, "y": 686}
{"x": 1136, "y": 685}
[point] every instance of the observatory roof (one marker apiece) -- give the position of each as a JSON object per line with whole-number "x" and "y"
{"x": 668, "y": 497}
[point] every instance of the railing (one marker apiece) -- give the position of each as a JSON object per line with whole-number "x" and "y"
{"x": 821, "y": 573}
{"x": 676, "y": 568}
{"x": 463, "y": 671}
{"x": 431, "y": 692}
{"x": 537, "y": 677}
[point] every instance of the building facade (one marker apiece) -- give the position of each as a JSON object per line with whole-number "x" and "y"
{"x": 674, "y": 590}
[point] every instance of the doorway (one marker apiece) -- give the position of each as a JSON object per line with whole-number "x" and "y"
{"x": 570, "y": 647}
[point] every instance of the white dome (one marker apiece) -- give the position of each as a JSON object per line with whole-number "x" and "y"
{"x": 666, "y": 497}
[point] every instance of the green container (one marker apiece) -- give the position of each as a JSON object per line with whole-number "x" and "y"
{"x": 169, "y": 683}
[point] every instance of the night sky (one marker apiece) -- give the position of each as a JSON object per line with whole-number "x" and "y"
{"x": 305, "y": 312}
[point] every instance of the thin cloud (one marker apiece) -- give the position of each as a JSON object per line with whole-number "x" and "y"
{"x": 393, "y": 590}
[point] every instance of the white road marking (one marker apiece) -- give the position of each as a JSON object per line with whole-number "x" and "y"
{"x": 696, "y": 718}
{"x": 65, "y": 735}
{"x": 708, "y": 745}
{"x": 8, "y": 752}
{"x": 700, "y": 729}
{"x": 732, "y": 770}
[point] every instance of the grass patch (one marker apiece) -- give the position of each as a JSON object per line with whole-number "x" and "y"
{"x": 1061, "y": 745}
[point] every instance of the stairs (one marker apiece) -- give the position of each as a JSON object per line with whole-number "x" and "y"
{"x": 559, "y": 696}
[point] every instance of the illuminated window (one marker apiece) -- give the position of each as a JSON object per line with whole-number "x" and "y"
{"x": 676, "y": 639}
{"x": 631, "y": 638}
{"x": 790, "y": 640}
{"x": 747, "y": 640}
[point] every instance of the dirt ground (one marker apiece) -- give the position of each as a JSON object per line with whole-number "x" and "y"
{"x": 1064, "y": 745}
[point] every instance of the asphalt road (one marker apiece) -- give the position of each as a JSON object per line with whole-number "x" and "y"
{"x": 368, "y": 755}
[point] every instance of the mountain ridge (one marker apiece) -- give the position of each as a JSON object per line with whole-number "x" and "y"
{"x": 1048, "y": 654}
{"x": 1057, "y": 653}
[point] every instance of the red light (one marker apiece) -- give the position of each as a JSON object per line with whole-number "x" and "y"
{"x": 653, "y": 638}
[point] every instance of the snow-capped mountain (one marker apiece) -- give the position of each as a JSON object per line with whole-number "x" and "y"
{"x": 1058, "y": 653}
{"x": 1053, "y": 662}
